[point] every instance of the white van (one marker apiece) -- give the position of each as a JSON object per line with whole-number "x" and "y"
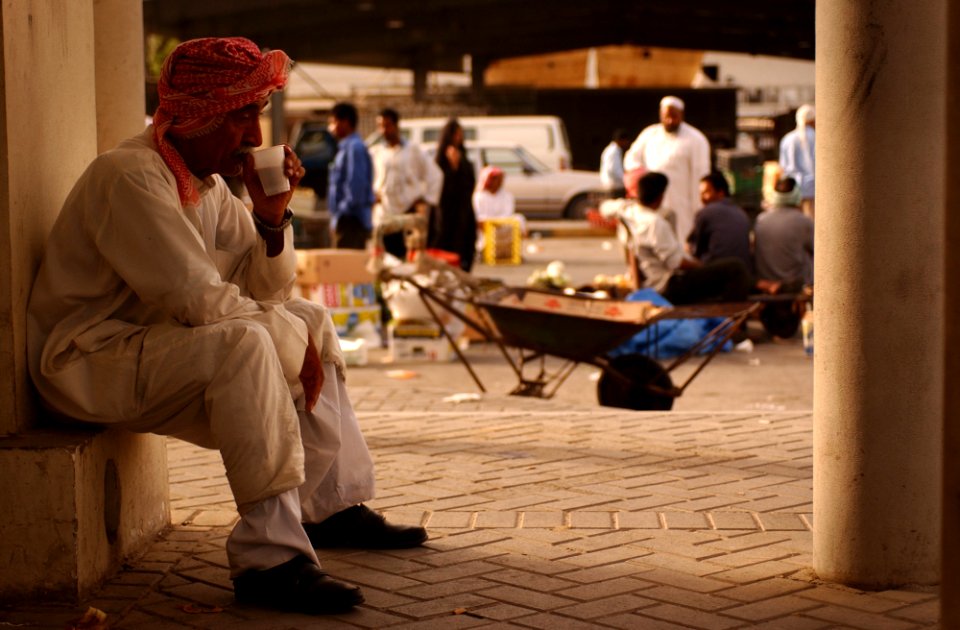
{"x": 543, "y": 136}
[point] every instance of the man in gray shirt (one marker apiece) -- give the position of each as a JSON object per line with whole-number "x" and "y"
{"x": 783, "y": 245}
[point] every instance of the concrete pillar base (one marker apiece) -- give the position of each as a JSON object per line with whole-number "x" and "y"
{"x": 77, "y": 504}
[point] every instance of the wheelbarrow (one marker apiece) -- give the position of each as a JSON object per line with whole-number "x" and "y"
{"x": 528, "y": 325}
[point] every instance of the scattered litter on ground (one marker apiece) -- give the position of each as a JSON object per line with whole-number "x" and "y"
{"x": 595, "y": 375}
{"x": 401, "y": 375}
{"x": 533, "y": 249}
{"x": 464, "y": 397}
{"x": 606, "y": 246}
{"x": 754, "y": 362}
{"x": 744, "y": 346}
{"x": 767, "y": 407}
{"x": 763, "y": 421}
{"x": 93, "y": 619}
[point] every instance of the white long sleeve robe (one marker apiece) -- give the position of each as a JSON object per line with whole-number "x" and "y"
{"x": 138, "y": 303}
{"x": 684, "y": 157}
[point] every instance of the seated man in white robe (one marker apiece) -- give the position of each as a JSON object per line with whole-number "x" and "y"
{"x": 163, "y": 305}
{"x": 492, "y": 201}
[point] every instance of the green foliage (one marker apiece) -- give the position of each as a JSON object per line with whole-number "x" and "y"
{"x": 157, "y": 47}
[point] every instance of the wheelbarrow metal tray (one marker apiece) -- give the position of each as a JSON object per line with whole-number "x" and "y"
{"x": 574, "y": 327}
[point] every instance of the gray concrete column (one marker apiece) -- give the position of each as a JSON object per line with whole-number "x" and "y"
{"x": 118, "y": 54}
{"x": 950, "y": 579}
{"x": 878, "y": 371}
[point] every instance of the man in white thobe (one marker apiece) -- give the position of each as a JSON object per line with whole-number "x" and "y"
{"x": 162, "y": 304}
{"x": 679, "y": 151}
{"x": 797, "y": 157}
{"x": 404, "y": 179}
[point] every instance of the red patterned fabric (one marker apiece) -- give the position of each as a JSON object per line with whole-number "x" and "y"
{"x": 201, "y": 81}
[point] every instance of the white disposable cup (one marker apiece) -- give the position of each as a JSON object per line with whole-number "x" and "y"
{"x": 269, "y": 165}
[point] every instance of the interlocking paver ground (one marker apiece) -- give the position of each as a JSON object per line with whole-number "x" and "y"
{"x": 541, "y": 515}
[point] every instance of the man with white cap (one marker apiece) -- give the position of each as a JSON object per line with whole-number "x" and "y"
{"x": 679, "y": 151}
{"x": 797, "y": 156}
{"x": 163, "y": 305}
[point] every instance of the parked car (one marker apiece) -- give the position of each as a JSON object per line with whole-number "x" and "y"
{"x": 543, "y": 136}
{"x": 539, "y": 191}
{"x": 316, "y": 147}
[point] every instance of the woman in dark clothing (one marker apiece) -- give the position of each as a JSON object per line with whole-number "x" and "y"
{"x": 458, "y": 225}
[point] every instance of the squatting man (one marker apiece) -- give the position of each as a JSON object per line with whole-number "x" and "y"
{"x": 163, "y": 305}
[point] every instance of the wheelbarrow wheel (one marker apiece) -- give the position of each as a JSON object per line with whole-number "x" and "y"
{"x": 642, "y": 371}
{"x": 782, "y": 319}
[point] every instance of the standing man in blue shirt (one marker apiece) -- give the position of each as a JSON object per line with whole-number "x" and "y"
{"x": 350, "y": 196}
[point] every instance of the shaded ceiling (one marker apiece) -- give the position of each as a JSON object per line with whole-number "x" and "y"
{"x": 436, "y": 34}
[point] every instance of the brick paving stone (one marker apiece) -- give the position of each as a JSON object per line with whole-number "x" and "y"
{"x": 638, "y": 520}
{"x": 606, "y": 606}
{"x": 398, "y": 565}
{"x": 454, "y": 571}
{"x": 926, "y": 612}
{"x": 382, "y": 600}
{"x": 712, "y": 502}
{"x": 858, "y": 618}
{"x": 377, "y": 579}
{"x": 606, "y": 556}
{"x": 851, "y": 598}
{"x": 535, "y": 565}
{"x": 542, "y": 518}
{"x": 525, "y": 579}
{"x": 605, "y": 588}
{"x": 793, "y": 623}
{"x": 749, "y": 557}
{"x": 776, "y": 521}
{"x": 443, "y": 605}
{"x": 913, "y": 596}
{"x": 214, "y": 576}
{"x": 635, "y": 622}
{"x": 756, "y": 572}
{"x": 450, "y": 587}
{"x": 554, "y": 622}
{"x": 456, "y": 520}
{"x": 452, "y": 621}
{"x": 503, "y": 612}
{"x": 689, "y": 599}
{"x": 678, "y": 564}
{"x": 689, "y": 616}
{"x": 203, "y": 594}
{"x": 529, "y": 548}
{"x": 766, "y": 589}
{"x": 683, "y": 580}
{"x": 527, "y": 598}
{"x": 497, "y": 520}
{"x": 141, "y": 621}
{"x": 467, "y": 540}
{"x": 772, "y": 608}
{"x": 733, "y": 520}
{"x": 591, "y": 520}
{"x": 594, "y": 575}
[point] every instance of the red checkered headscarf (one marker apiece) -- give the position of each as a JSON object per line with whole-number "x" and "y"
{"x": 202, "y": 80}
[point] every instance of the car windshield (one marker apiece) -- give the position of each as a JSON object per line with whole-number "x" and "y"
{"x": 533, "y": 161}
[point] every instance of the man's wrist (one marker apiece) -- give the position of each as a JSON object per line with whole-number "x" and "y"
{"x": 263, "y": 226}
{"x": 272, "y": 235}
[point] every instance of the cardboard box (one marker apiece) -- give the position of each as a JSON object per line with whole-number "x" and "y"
{"x": 345, "y": 320}
{"x": 340, "y": 295}
{"x": 333, "y": 266}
